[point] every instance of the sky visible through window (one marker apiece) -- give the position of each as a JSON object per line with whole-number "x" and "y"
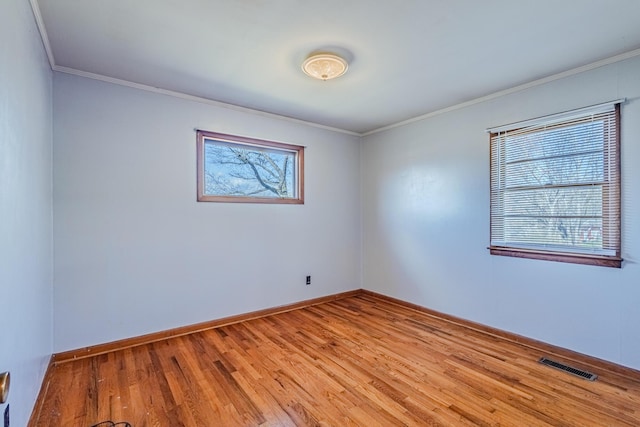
{"x": 553, "y": 186}
{"x": 248, "y": 171}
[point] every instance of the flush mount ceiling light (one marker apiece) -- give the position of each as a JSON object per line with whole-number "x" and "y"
{"x": 324, "y": 66}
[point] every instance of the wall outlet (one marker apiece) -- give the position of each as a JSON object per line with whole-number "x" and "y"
{"x": 308, "y": 280}
{"x": 6, "y": 416}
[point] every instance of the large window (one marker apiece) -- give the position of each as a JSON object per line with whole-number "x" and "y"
{"x": 555, "y": 187}
{"x": 238, "y": 169}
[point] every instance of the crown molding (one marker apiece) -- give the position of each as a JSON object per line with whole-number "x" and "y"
{"x": 47, "y": 47}
{"x": 607, "y": 61}
{"x": 43, "y": 32}
{"x": 194, "y": 98}
{"x": 67, "y": 70}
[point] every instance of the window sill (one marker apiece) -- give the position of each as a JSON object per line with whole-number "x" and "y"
{"x": 241, "y": 199}
{"x": 598, "y": 260}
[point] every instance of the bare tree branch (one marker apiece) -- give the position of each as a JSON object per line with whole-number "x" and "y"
{"x": 248, "y": 172}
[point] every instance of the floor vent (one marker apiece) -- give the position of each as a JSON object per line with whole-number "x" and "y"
{"x": 578, "y": 372}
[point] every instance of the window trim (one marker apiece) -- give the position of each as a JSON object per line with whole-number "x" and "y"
{"x": 202, "y": 135}
{"x": 614, "y": 261}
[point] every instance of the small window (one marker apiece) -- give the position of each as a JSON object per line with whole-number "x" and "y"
{"x": 238, "y": 169}
{"x": 555, "y": 187}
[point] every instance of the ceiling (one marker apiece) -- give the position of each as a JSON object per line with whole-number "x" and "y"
{"x": 407, "y": 57}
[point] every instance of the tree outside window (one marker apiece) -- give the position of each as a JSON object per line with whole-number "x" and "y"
{"x": 555, "y": 187}
{"x": 239, "y": 169}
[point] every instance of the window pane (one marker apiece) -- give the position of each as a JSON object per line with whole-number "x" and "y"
{"x": 573, "y": 169}
{"x": 564, "y": 201}
{"x": 554, "y": 232}
{"x": 555, "y": 187}
{"x": 236, "y": 170}
{"x": 559, "y": 141}
{"x": 554, "y": 217}
{"x": 248, "y": 170}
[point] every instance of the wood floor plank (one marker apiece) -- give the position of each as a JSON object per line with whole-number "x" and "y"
{"x": 356, "y": 361}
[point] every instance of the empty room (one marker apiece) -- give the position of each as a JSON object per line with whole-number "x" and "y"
{"x": 340, "y": 213}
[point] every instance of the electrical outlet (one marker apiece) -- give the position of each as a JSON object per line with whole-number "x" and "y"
{"x": 308, "y": 280}
{"x": 6, "y": 416}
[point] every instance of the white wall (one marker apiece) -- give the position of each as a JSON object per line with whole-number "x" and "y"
{"x": 426, "y": 224}
{"x": 135, "y": 253}
{"x": 25, "y": 207}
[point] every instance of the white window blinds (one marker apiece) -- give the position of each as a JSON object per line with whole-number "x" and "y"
{"x": 555, "y": 183}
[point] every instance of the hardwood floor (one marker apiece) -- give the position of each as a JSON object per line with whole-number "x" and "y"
{"x": 358, "y": 361}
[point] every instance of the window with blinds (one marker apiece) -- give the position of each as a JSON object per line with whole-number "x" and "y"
{"x": 555, "y": 187}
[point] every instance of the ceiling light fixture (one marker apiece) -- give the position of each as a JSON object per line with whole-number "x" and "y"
{"x": 324, "y": 66}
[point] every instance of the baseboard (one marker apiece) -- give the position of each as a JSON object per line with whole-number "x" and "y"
{"x": 190, "y": 329}
{"x": 37, "y": 406}
{"x": 544, "y": 348}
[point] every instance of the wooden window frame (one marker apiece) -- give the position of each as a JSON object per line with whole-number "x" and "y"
{"x": 297, "y": 150}
{"x": 614, "y": 261}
